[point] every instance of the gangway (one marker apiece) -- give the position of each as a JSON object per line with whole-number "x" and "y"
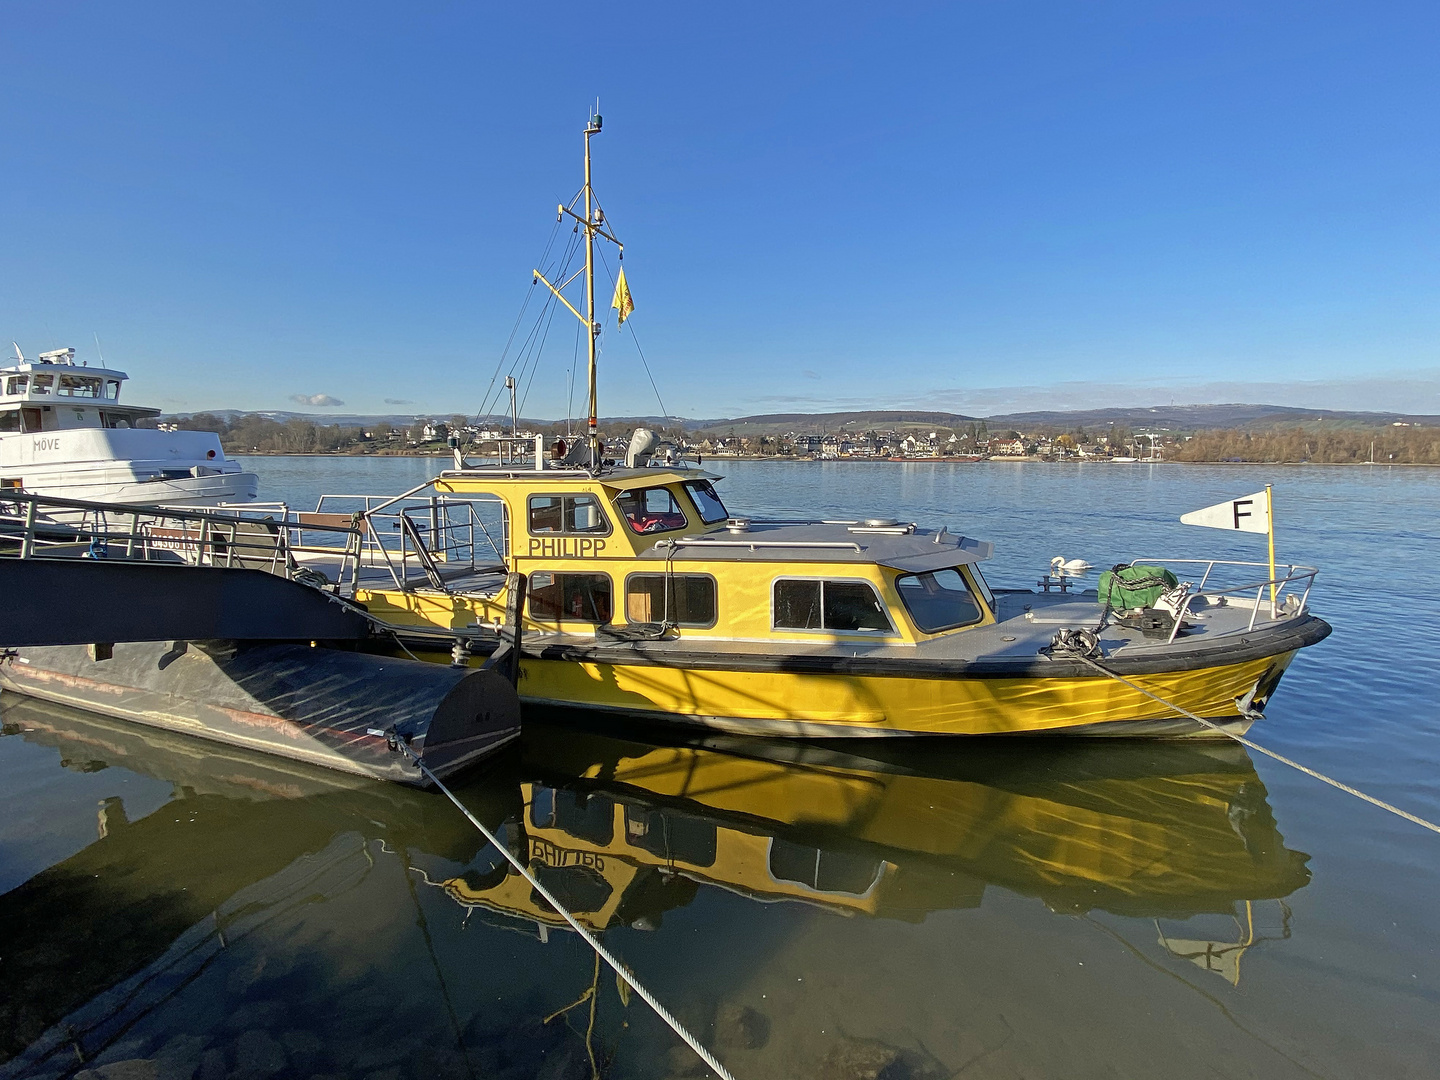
{"x": 241, "y": 625}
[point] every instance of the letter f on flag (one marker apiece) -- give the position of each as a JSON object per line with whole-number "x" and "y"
{"x": 622, "y": 302}
{"x": 1250, "y": 514}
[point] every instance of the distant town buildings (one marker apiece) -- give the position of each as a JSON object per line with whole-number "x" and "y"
{"x": 972, "y": 443}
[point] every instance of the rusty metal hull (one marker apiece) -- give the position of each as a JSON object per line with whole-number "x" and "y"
{"x": 309, "y": 704}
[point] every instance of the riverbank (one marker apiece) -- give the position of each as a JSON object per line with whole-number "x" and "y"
{"x": 717, "y": 459}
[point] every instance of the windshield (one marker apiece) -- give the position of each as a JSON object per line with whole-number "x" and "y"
{"x": 706, "y": 501}
{"x": 938, "y": 600}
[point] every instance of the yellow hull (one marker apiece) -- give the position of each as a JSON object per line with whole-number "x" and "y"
{"x": 793, "y": 703}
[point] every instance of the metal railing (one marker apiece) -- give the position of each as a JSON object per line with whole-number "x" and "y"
{"x": 415, "y": 539}
{"x": 431, "y": 535}
{"x": 1290, "y": 576}
{"x": 255, "y": 537}
{"x": 705, "y": 542}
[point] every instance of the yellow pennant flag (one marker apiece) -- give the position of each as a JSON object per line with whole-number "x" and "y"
{"x": 622, "y": 302}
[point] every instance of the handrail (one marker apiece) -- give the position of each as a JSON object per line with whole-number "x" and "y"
{"x": 802, "y": 521}
{"x": 226, "y": 514}
{"x": 391, "y": 502}
{"x": 752, "y": 544}
{"x": 46, "y": 527}
{"x": 201, "y": 536}
{"x": 1294, "y": 572}
{"x": 427, "y": 529}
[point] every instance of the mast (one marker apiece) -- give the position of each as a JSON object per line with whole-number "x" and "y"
{"x": 593, "y": 223}
{"x": 591, "y": 128}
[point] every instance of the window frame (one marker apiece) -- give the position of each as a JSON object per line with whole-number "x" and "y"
{"x": 564, "y": 617}
{"x": 893, "y": 631}
{"x": 980, "y": 607}
{"x": 978, "y": 579}
{"x": 79, "y": 386}
{"x": 699, "y": 511}
{"x": 662, "y": 574}
{"x": 820, "y": 854}
{"x": 599, "y": 502}
{"x": 630, "y": 525}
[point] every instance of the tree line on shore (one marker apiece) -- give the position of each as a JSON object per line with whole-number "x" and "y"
{"x": 1409, "y": 445}
{"x": 1401, "y": 445}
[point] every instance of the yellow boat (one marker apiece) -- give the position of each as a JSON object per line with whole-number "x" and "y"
{"x": 647, "y": 596}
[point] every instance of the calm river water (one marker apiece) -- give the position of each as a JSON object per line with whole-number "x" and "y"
{"x": 174, "y": 909}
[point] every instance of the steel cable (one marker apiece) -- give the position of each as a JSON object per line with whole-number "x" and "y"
{"x": 620, "y": 970}
{"x": 1340, "y": 785}
{"x": 635, "y": 338}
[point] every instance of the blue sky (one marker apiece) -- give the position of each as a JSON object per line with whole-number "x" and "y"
{"x": 976, "y": 206}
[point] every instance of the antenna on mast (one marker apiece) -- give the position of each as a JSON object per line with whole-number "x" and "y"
{"x": 593, "y": 222}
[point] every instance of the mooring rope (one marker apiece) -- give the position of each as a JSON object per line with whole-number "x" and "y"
{"x": 1250, "y": 744}
{"x": 620, "y": 970}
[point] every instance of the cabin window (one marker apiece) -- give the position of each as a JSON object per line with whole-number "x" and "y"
{"x": 582, "y": 889}
{"x": 672, "y": 836}
{"x": 651, "y": 510}
{"x": 566, "y": 515}
{"x": 112, "y": 389}
{"x": 585, "y": 817}
{"x": 17, "y": 384}
{"x": 938, "y": 600}
{"x": 43, "y": 383}
{"x": 679, "y": 599}
{"x": 843, "y": 606}
{"x": 581, "y": 597}
{"x": 702, "y": 493}
{"x": 10, "y": 421}
{"x": 79, "y": 386}
{"x": 823, "y": 871}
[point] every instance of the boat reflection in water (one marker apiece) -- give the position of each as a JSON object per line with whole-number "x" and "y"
{"x": 143, "y": 934}
{"x": 621, "y": 831}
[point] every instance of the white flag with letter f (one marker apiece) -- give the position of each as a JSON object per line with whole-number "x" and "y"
{"x": 1248, "y": 514}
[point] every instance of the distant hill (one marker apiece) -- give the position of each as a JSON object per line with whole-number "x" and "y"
{"x": 358, "y": 420}
{"x": 1203, "y": 417}
{"x": 779, "y": 423}
{"x": 1173, "y": 418}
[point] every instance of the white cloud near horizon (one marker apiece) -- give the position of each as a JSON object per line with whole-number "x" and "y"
{"x": 323, "y": 400}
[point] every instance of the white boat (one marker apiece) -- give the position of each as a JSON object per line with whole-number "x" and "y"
{"x": 64, "y": 433}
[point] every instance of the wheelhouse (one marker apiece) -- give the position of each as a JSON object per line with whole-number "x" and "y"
{"x": 654, "y": 549}
{"x": 53, "y": 393}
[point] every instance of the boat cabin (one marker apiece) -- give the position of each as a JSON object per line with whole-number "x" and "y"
{"x": 653, "y": 549}
{"x": 53, "y": 393}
